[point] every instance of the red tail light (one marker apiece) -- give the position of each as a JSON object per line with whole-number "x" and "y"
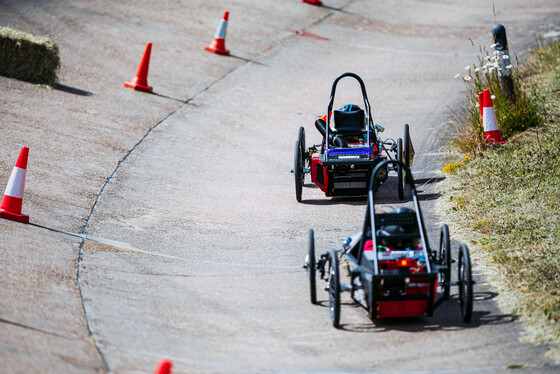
{"x": 404, "y": 262}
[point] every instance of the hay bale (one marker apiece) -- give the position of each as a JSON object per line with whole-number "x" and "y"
{"x": 27, "y": 57}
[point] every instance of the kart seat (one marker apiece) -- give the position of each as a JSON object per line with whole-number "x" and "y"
{"x": 349, "y": 122}
{"x": 398, "y": 229}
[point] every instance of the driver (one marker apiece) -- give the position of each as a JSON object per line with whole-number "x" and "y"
{"x": 334, "y": 138}
{"x": 337, "y": 140}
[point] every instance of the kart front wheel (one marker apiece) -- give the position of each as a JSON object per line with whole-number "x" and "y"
{"x": 299, "y": 162}
{"x": 400, "y": 181}
{"x": 444, "y": 255}
{"x": 298, "y": 170}
{"x": 465, "y": 283}
{"x": 334, "y": 289}
{"x": 301, "y": 140}
{"x": 311, "y": 267}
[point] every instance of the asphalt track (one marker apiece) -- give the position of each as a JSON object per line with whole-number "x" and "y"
{"x": 166, "y": 225}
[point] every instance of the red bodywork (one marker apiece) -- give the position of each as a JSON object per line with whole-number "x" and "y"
{"x": 403, "y": 308}
{"x": 319, "y": 174}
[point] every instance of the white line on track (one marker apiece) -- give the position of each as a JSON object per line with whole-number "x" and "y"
{"x": 127, "y": 247}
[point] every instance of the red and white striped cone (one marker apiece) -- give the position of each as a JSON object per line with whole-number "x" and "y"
{"x": 480, "y": 106}
{"x": 218, "y": 45}
{"x": 10, "y": 208}
{"x": 489, "y": 121}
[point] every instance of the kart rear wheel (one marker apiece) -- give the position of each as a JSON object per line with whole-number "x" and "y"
{"x": 334, "y": 289}
{"x": 465, "y": 283}
{"x": 298, "y": 171}
{"x": 311, "y": 267}
{"x": 406, "y": 148}
{"x": 444, "y": 256}
{"x": 400, "y": 181}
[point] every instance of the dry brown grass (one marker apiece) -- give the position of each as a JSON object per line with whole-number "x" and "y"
{"x": 27, "y": 57}
{"x": 506, "y": 202}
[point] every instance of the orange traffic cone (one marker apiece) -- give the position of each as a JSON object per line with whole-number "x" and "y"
{"x": 218, "y": 45}
{"x": 140, "y": 80}
{"x": 313, "y": 2}
{"x": 164, "y": 367}
{"x": 489, "y": 121}
{"x": 10, "y": 208}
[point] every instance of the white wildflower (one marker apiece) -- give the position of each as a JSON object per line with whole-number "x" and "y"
{"x": 493, "y": 45}
{"x": 467, "y": 68}
{"x": 509, "y": 67}
{"x": 467, "y": 77}
{"x": 457, "y": 75}
{"x": 493, "y": 97}
{"x": 505, "y": 57}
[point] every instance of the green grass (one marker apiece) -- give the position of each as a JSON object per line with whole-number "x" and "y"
{"x": 505, "y": 200}
{"x": 515, "y": 108}
{"x": 27, "y": 57}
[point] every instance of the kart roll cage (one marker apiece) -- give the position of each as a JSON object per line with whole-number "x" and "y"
{"x": 369, "y": 120}
{"x": 370, "y": 216}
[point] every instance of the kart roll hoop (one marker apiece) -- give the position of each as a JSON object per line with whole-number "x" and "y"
{"x": 370, "y": 212}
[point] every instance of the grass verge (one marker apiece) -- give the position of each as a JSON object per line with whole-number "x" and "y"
{"x": 505, "y": 201}
{"x": 27, "y": 57}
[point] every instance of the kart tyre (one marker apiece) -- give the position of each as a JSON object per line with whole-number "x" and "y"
{"x": 444, "y": 254}
{"x": 465, "y": 284}
{"x": 334, "y": 289}
{"x": 400, "y": 180}
{"x": 301, "y": 140}
{"x": 311, "y": 267}
{"x": 406, "y": 148}
{"x": 298, "y": 170}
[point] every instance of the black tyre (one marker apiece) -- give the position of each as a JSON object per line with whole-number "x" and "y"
{"x": 311, "y": 267}
{"x": 400, "y": 181}
{"x": 465, "y": 283}
{"x": 298, "y": 171}
{"x": 299, "y": 163}
{"x": 444, "y": 255}
{"x": 406, "y": 148}
{"x": 334, "y": 289}
{"x": 301, "y": 140}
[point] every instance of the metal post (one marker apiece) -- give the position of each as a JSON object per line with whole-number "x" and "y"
{"x": 500, "y": 43}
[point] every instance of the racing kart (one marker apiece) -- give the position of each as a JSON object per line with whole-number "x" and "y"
{"x": 342, "y": 164}
{"x": 391, "y": 269}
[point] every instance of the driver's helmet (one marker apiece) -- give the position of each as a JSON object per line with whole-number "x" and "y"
{"x": 386, "y": 234}
{"x": 349, "y": 108}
